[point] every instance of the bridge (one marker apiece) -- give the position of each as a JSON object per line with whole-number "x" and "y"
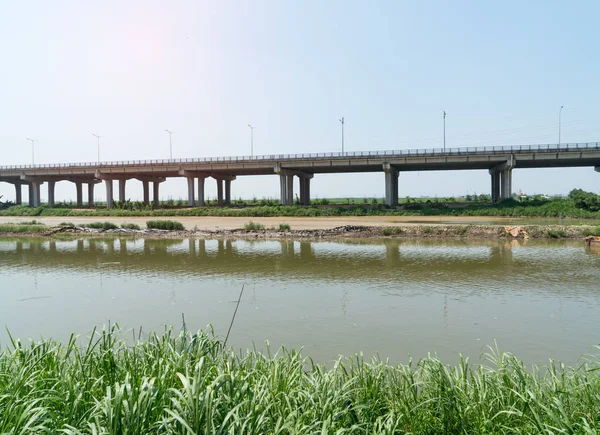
{"x": 499, "y": 161}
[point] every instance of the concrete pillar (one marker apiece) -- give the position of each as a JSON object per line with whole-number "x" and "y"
{"x": 51, "y": 193}
{"x": 18, "y": 194}
{"x": 391, "y": 186}
{"x": 290, "y": 190}
{"x": 304, "y": 191}
{"x": 495, "y": 186}
{"x": 156, "y": 198}
{"x": 122, "y": 190}
{"x": 283, "y": 188}
{"x": 79, "y": 189}
{"x": 34, "y": 195}
{"x": 190, "y": 181}
{"x": 91, "y": 194}
{"x": 220, "y": 192}
{"x": 109, "y": 193}
{"x": 146, "y": 187}
{"x": 506, "y": 183}
{"x": 227, "y": 192}
{"x": 30, "y": 193}
{"x": 201, "y": 181}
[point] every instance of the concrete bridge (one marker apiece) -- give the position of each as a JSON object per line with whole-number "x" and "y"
{"x": 499, "y": 161}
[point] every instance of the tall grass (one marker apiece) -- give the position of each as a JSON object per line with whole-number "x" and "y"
{"x": 190, "y": 385}
{"x": 102, "y": 225}
{"x": 23, "y": 227}
{"x": 165, "y": 225}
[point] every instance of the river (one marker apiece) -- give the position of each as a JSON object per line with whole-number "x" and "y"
{"x": 396, "y": 298}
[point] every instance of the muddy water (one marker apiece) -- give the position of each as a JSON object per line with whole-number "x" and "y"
{"x": 395, "y": 298}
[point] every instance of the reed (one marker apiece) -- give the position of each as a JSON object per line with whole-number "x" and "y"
{"x": 190, "y": 384}
{"x": 23, "y": 227}
{"x": 165, "y": 225}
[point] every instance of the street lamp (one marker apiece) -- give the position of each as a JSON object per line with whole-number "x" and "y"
{"x": 342, "y": 121}
{"x": 33, "y": 141}
{"x": 559, "y": 120}
{"x": 251, "y": 140}
{"x": 98, "y": 137}
{"x": 170, "y": 143}
{"x": 444, "y": 130}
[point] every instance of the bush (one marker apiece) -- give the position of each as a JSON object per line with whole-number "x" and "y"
{"x": 130, "y": 226}
{"x": 461, "y": 231}
{"x": 388, "y": 231}
{"x": 585, "y": 200}
{"x": 253, "y": 226}
{"x": 165, "y": 225}
{"x": 284, "y": 227}
{"x": 557, "y": 234}
{"x": 102, "y": 226}
{"x": 427, "y": 230}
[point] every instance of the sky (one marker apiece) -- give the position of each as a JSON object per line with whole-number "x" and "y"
{"x": 206, "y": 69}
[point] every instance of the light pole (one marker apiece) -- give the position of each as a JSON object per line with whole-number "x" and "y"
{"x": 342, "y": 121}
{"x": 444, "y": 130}
{"x": 33, "y": 141}
{"x": 559, "y": 120}
{"x": 98, "y": 137}
{"x": 170, "y": 143}
{"x": 251, "y": 140}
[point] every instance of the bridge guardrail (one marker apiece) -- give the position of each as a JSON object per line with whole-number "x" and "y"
{"x": 426, "y": 152}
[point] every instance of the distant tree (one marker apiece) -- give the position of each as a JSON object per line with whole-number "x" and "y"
{"x": 585, "y": 200}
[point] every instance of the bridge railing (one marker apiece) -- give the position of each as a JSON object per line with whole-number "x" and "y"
{"x": 425, "y": 152}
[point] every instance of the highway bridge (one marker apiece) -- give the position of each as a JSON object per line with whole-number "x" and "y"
{"x": 499, "y": 161}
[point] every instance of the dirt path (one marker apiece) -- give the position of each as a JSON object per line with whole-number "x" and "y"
{"x": 212, "y": 223}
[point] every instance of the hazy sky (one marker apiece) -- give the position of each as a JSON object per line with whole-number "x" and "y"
{"x": 127, "y": 70}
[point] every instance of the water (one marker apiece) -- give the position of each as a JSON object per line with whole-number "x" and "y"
{"x": 395, "y": 298}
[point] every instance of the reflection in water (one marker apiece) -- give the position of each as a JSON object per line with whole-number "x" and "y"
{"x": 394, "y": 297}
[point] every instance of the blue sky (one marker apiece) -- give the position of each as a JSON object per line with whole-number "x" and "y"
{"x": 128, "y": 70}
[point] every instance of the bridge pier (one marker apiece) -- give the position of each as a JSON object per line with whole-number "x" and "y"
{"x": 287, "y": 189}
{"x": 190, "y": 183}
{"x": 146, "y": 189}
{"x": 304, "y": 191}
{"x": 201, "y": 182}
{"x": 227, "y": 192}
{"x": 391, "y": 185}
{"x": 506, "y": 183}
{"x": 34, "y": 193}
{"x": 51, "y": 185}
{"x": 122, "y": 183}
{"x": 18, "y": 194}
{"x": 79, "y": 188}
{"x": 155, "y": 193}
{"x": 219, "y": 192}
{"x": 91, "y": 194}
{"x": 495, "y": 186}
{"x": 109, "y": 192}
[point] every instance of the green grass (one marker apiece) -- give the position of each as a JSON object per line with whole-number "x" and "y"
{"x": 427, "y": 229}
{"x": 190, "y": 385}
{"x": 129, "y": 226}
{"x": 591, "y": 232}
{"x": 23, "y": 227}
{"x": 66, "y": 224}
{"x": 253, "y": 226}
{"x": 284, "y": 227}
{"x": 165, "y": 225}
{"x": 389, "y": 231}
{"x": 102, "y": 226}
{"x": 557, "y": 234}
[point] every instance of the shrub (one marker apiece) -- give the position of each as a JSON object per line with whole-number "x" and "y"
{"x": 388, "y": 231}
{"x": 427, "y": 230}
{"x": 129, "y": 226}
{"x": 253, "y": 226}
{"x": 284, "y": 227}
{"x": 66, "y": 224}
{"x": 461, "y": 231}
{"x": 165, "y": 225}
{"x": 102, "y": 226}
{"x": 557, "y": 234}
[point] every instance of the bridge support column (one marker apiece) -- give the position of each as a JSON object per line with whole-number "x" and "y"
{"x": 155, "y": 196}
{"x": 146, "y": 190}
{"x": 34, "y": 193}
{"x": 30, "y": 193}
{"x": 79, "y": 190}
{"x": 91, "y": 194}
{"x": 51, "y": 185}
{"x": 227, "y": 192}
{"x": 219, "y": 192}
{"x": 190, "y": 183}
{"x": 109, "y": 193}
{"x": 201, "y": 181}
{"x": 283, "y": 189}
{"x": 391, "y": 185}
{"x": 506, "y": 183}
{"x": 495, "y": 186}
{"x": 18, "y": 194}
{"x": 122, "y": 183}
{"x": 290, "y": 190}
{"x": 304, "y": 191}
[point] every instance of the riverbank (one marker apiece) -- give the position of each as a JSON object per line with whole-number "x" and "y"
{"x": 271, "y": 229}
{"x": 193, "y": 384}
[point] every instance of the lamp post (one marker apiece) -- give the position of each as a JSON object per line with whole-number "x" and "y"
{"x": 559, "y": 121}
{"x": 251, "y": 140}
{"x": 98, "y": 137}
{"x": 170, "y": 143}
{"x": 33, "y": 141}
{"x": 342, "y": 121}
{"x": 444, "y": 130}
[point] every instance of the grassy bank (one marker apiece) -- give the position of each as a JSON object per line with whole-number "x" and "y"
{"x": 190, "y": 385}
{"x": 557, "y": 208}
